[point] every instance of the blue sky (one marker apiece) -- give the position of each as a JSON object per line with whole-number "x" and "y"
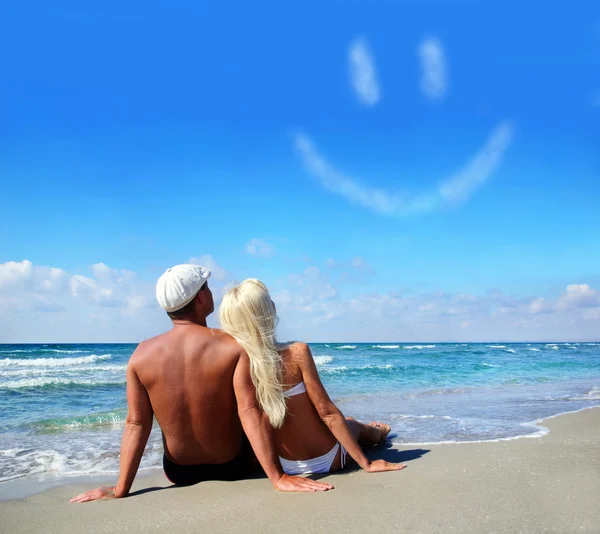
{"x": 392, "y": 172}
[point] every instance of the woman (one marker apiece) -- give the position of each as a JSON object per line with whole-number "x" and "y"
{"x": 312, "y": 435}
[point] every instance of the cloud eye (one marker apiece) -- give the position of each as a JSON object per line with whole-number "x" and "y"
{"x": 433, "y": 65}
{"x": 363, "y": 74}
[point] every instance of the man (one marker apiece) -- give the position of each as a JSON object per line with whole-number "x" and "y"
{"x": 196, "y": 381}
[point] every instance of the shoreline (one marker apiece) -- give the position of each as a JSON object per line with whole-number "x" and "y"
{"x": 28, "y": 485}
{"x": 551, "y": 483}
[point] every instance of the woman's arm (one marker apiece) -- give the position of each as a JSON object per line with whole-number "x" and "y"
{"x": 332, "y": 416}
{"x": 260, "y": 434}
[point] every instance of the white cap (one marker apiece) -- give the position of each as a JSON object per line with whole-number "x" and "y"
{"x": 179, "y": 285}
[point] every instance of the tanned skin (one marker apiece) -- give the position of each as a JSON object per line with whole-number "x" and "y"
{"x": 196, "y": 382}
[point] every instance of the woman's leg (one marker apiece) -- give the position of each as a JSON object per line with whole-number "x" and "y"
{"x": 365, "y": 435}
{"x": 368, "y": 435}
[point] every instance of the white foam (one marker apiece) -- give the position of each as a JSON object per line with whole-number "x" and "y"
{"x": 592, "y": 394}
{"x": 16, "y": 351}
{"x": 511, "y": 351}
{"x": 386, "y": 346}
{"x": 341, "y": 368}
{"x": 410, "y": 416}
{"x": 52, "y": 381}
{"x": 485, "y": 364}
{"x": 322, "y": 360}
{"x": 535, "y": 350}
{"x": 52, "y": 371}
{"x": 540, "y": 433}
{"x": 53, "y": 362}
{"x": 496, "y": 346}
{"x": 419, "y": 347}
{"x": 346, "y": 347}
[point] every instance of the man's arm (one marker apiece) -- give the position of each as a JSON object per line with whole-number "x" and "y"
{"x": 260, "y": 434}
{"x": 135, "y": 436}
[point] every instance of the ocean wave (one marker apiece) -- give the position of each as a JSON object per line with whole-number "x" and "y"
{"x": 386, "y": 346}
{"x": 410, "y": 416}
{"x": 36, "y": 351}
{"x": 54, "y": 362}
{"x": 419, "y": 347}
{"x": 439, "y": 391}
{"x": 111, "y": 418}
{"x": 346, "y": 347}
{"x": 535, "y": 350}
{"x": 345, "y": 368}
{"x": 512, "y": 351}
{"x": 496, "y": 346}
{"x": 53, "y": 381}
{"x": 322, "y": 360}
{"x": 52, "y": 370}
{"x": 485, "y": 365}
{"x": 592, "y": 394}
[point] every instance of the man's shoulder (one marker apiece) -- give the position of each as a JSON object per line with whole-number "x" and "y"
{"x": 145, "y": 348}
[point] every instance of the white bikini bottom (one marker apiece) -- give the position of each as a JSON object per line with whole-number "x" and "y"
{"x": 321, "y": 464}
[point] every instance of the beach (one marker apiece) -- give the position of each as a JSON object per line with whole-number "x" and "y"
{"x": 532, "y": 484}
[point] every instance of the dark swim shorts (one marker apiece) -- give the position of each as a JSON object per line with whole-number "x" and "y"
{"x": 244, "y": 465}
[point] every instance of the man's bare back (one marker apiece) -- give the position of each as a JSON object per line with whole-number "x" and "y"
{"x": 188, "y": 374}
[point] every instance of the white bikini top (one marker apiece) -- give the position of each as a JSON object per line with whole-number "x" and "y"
{"x": 296, "y": 390}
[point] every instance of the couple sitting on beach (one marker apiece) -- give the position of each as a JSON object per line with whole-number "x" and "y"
{"x": 226, "y": 398}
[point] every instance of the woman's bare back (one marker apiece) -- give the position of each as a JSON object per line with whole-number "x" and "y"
{"x": 303, "y": 435}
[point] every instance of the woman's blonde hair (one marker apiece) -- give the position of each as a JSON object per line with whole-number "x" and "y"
{"x": 248, "y": 314}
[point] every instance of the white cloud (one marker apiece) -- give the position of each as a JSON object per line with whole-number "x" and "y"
{"x": 460, "y": 186}
{"x": 433, "y": 64}
{"x": 105, "y": 273}
{"x": 574, "y": 297}
{"x": 13, "y": 271}
{"x": 360, "y": 264}
{"x": 260, "y": 247}
{"x": 538, "y": 305}
{"x": 435, "y": 317}
{"x": 457, "y": 188}
{"x": 312, "y": 307}
{"x": 363, "y": 74}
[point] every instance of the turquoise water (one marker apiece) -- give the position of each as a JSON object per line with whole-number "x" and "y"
{"x": 62, "y": 407}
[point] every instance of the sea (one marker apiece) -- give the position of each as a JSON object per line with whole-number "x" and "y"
{"x": 62, "y": 407}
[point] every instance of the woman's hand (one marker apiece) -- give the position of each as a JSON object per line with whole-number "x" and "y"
{"x": 97, "y": 494}
{"x": 379, "y": 466}
{"x": 293, "y": 483}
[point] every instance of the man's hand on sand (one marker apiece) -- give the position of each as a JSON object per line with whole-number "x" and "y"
{"x": 97, "y": 494}
{"x": 379, "y": 466}
{"x": 291, "y": 483}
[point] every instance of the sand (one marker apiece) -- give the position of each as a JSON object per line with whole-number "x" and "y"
{"x": 547, "y": 484}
